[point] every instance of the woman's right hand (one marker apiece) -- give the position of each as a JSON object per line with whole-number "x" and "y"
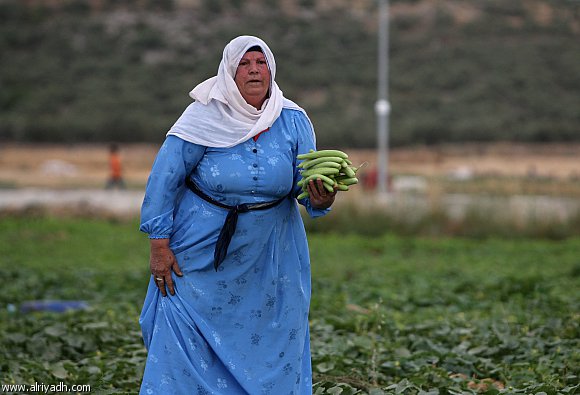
{"x": 162, "y": 261}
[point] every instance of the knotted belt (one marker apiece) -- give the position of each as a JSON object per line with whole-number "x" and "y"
{"x": 229, "y": 227}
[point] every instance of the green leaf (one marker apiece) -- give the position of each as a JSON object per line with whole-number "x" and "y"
{"x": 402, "y": 352}
{"x": 402, "y": 386}
{"x": 55, "y": 330}
{"x": 58, "y": 370}
{"x": 325, "y": 367}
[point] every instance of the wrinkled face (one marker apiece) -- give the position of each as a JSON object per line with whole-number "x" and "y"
{"x": 253, "y": 78}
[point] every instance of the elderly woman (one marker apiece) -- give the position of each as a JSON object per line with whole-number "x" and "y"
{"x": 226, "y": 311}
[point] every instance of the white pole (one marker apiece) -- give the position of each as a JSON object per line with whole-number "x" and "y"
{"x": 382, "y": 106}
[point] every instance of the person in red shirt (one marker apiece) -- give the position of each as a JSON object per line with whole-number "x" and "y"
{"x": 116, "y": 174}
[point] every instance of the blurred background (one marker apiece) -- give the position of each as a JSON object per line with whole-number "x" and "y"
{"x": 462, "y": 279}
{"x": 485, "y": 95}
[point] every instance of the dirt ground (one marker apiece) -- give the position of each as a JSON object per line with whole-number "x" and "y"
{"x": 86, "y": 166}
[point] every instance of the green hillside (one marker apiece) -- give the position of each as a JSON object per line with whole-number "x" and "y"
{"x": 103, "y": 70}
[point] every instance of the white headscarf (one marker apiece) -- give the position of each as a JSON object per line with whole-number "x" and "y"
{"x": 220, "y": 116}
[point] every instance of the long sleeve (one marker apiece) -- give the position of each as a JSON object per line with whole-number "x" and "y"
{"x": 306, "y": 142}
{"x": 175, "y": 160}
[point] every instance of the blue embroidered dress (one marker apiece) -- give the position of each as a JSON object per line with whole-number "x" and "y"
{"x": 244, "y": 328}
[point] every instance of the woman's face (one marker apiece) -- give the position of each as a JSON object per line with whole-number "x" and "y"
{"x": 253, "y": 78}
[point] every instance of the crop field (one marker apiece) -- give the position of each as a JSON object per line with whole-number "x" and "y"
{"x": 390, "y": 314}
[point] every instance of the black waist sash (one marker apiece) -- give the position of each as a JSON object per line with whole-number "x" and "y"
{"x": 229, "y": 227}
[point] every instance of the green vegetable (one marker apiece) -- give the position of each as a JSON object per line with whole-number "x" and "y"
{"x": 324, "y": 179}
{"x": 318, "y": 154}
{"x": 332, "y": 167}
{"x": 320, "y": 170}
{"x": 349, "y": 171}
{"x": 349, "y": 181}
{"x": 303, "y": 195}
{"x": 311, "y": 162}
{"x": 326, "y": 164}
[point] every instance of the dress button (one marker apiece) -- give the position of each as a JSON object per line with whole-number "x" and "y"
{"x": 254, "y": 150}
{"x": 255, "y": 165}
{"x": 255, "y": 178}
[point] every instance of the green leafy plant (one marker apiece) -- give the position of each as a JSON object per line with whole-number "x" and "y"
{"x": 389, "y": 315}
